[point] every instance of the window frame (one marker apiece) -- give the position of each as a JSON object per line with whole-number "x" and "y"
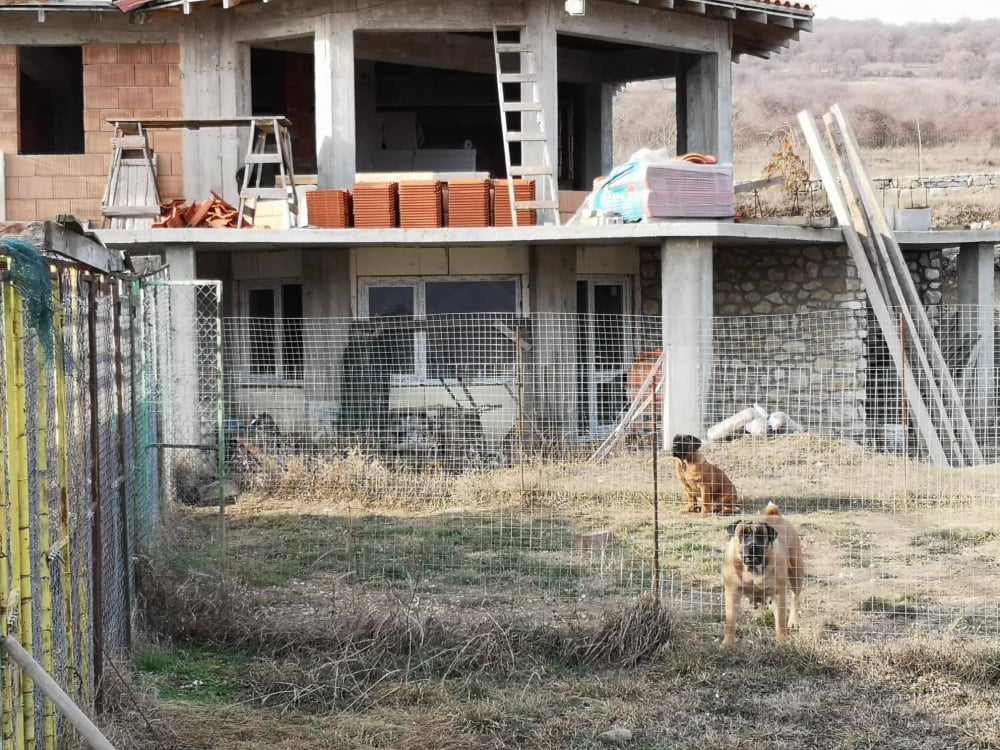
{"x": 282, "y": 374}
{"x": 420, "y": 376}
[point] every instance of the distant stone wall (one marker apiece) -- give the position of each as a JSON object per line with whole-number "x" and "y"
{"x": 939, "y": 182}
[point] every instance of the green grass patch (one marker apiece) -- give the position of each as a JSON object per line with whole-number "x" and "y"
{"x": 197, "y": 675}
{"x": 455, "y": 550}
{"x": 907, "y": 608}
{"x": 952, "y": 541}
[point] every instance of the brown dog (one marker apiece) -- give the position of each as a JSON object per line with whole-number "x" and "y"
{"x": 763, "y": 560}
{"x": 706, "y": 486}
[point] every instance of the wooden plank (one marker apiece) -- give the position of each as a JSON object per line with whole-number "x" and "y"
{"x": 635, "y": 409}
{"x": 889, "y": 250}
{"x": 915, "y": 399}
{"x": 132, "y": 125}
{"x": 888, "y": 285}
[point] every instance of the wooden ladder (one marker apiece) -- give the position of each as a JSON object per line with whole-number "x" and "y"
{"x": 270, "y": 143}
{"x": 131, "y": 198}
{"x": 515, "y": 64}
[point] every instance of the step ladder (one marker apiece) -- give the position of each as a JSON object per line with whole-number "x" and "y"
{"x": 515, "y": 64}
{"x": 270, "y": 144}
{"x": 131, "y": 198}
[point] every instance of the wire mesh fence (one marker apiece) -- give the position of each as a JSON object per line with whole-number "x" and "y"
{"x": 457, "y": 457}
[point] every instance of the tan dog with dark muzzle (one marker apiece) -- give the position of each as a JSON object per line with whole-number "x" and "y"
{"x": 706, "y": 486}
{"x": 763, "y": 560}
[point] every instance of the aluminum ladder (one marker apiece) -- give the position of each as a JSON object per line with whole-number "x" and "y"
{"x": 515, "y": 64}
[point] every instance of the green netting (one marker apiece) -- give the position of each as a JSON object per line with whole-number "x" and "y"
{"x": 29, "y": 273}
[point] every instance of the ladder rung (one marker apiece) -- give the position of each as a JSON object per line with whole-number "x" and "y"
{"x": 514, "y": 47}
{"x": 264, "y": 158}
{"x": 522, "y": 107}
{"x": 519, "y": 171}
{"x": 130, "y": 142}
{"x": 532, "y": 205}
{"x": 518, "y": 136}
{"x": 265, "y": 193}
{"x": 518, "y": 78}
{"x": 130, "y": 210}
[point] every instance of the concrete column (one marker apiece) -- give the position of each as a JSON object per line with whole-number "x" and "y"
{"x": 976, "y": 290}
{"x": 216, "y": 84}
{"x": 336, "y": 123}
{"x": 687, "y": 286}
{"x": 326, "y": 301}
{"x": 598, "y": 145}
{"x": 541, "y": 33}
{"x": 551, "y": 385}
{"x": 704, "y": 104}
{"x": 179, "y": 361}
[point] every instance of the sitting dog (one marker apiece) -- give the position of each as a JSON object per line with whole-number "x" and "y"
{"x": 706, "y": 486}
{"x": 763, "y": 560}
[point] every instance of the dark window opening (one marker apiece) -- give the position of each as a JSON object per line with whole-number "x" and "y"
{"x": 50, "y": 100}
{"x": 281, "y": 83}
{"x": 275, "y": 332}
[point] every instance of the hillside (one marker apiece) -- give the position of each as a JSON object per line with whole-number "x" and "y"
{"x": 931, "y": 85}
{"x": 921, "y": 98}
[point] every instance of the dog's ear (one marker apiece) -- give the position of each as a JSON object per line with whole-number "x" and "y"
{"x": 771, "y": 532}
{"x": 731, "y": 528}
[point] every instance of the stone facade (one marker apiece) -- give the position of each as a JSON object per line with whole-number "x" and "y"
{"x": 790, "y": 333}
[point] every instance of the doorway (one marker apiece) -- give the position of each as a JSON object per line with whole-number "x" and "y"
{"x": 604, "y": 351}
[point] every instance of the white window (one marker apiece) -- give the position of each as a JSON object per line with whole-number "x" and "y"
{"x": 442, "y": 328}
{"x": 272, "y": 348}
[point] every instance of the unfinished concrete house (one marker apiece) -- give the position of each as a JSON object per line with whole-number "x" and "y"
{"x": 466, "y": 302}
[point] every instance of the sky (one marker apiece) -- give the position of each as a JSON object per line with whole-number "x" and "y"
{"x": 906, "y": 11}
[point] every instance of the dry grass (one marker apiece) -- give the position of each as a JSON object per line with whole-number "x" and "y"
{"x": 503, "y": 658}
{"x": 951, "y": 207}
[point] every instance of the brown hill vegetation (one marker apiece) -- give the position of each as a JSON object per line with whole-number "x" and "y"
{"x": 918, "y": 85}
{"x": 921, "y": 98}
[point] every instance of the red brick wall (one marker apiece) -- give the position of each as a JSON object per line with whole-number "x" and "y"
{"x": 119, "y": 80}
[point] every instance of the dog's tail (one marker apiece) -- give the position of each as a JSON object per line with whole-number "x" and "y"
{"x": 771, "y": 510}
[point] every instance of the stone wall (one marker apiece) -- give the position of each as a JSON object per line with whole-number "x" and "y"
{"x": 790, "y": 333}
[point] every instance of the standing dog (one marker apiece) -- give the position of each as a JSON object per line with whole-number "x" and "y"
{"x": 763, "y": 559}
{"x": 707, "y": 487}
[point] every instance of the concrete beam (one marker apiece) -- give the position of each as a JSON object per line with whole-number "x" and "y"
{"x": 643, "y": 26}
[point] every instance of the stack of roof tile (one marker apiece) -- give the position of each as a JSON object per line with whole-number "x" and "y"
{"x": 469, "y": 203}
{"x": 420, "y": 204}
{"x": 524, "y": 190}
{"x": 212, "y": 212}
{"x": 330, "y": 209}
{"x": 376, "y": 204}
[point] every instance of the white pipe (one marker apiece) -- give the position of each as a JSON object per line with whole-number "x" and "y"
{"x": 51, "y": 688}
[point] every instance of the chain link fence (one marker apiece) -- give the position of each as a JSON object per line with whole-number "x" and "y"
{"x": 90, "y": 390}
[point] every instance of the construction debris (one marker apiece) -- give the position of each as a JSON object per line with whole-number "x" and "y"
{"x": 754, "y": 421}
{"x": 212, "y": 212}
